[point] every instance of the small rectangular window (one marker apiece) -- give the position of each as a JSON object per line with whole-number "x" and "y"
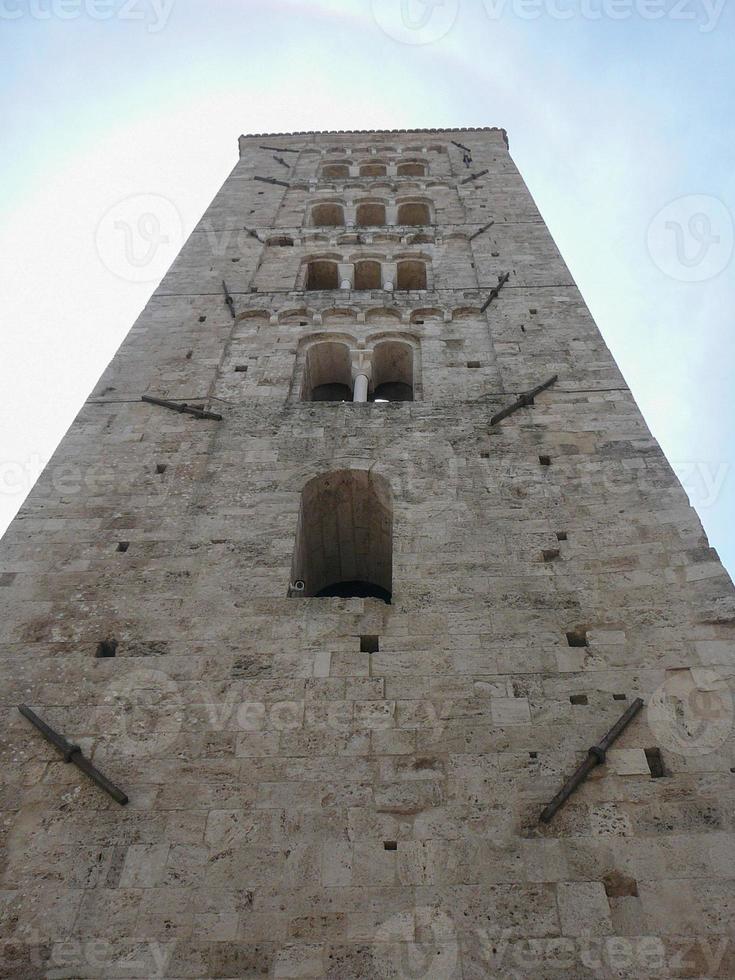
{"x": 106, "y": 648}
{"x": 655, "y": 763}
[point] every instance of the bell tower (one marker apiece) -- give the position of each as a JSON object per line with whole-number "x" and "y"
{"x": 367, "y": 545}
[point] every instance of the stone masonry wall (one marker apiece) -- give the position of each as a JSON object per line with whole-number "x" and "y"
{"x": 307, "y": 800}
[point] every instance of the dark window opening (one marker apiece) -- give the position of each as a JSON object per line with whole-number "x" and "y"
{"x": 371, "y": 215}
{"x": 577, "y": 638}
{"x": 161, "y": 468}
{"x": 327, "y": 216}
{"x": 393, "y": 372}
{"x": 334, "y": 392}
{"x": 373, "y": 170}
{"x": 354, "y": 590}
{"x": 411, "y": 275}
{"x": 106, "y": 648}
{"x": 411, "y": 170}
{"x": 620, "y": 697}
{"x": 579, "y": 699}
{"x": 335, "y": 170}
{"x": 344, "y": 540}
{"x": 369, "y": 644}
{"x": 368, "y": 275}
{"x": 241, "y": 369}
{"x": 655, "y": 763}
{"x": 551, "y": 554}
{"x": 414, "y": 214}
{"x": 393, "y": 391}
{"x": 545, "y": 460}
{"x": 561, "y": 536}
{"x": 122, "y": 546}
{"x": 322, "y": 275}
{"x": 328, "y": 374}
{"x": 390, "y": 845}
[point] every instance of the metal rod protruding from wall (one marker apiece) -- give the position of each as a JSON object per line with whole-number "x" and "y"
{"x": 595, "y": 757}
{"x": 72, "y": 753}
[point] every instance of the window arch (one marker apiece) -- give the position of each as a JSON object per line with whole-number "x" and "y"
{"x": 344, "y": 539}
{"x": 335, "y": 170}
{"x": 411, "y": 274}
{"x": 393, "y": 372}
{"x": 322, "y": 274}
{"x": 368, "y": 274}
{"x": 373, "y": 170}
{"x": 414, "y": 213}
{"x": 280, "y": 241}
{"x": 328, "y": 373}
{"x": 371, "y": 214}
{"x": 411, "y": 168}
{"x": 327, "y": 215}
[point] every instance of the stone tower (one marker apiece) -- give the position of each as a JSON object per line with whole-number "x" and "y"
{"x": 342, "y": 635}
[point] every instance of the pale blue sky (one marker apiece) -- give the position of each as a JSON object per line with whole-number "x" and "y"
{"x": 611, "y": 115}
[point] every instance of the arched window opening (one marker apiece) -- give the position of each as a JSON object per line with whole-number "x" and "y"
{"x": 371, "y": 215}
{"x": 411, "y": 169}
{"x": 414, "y": 213}
{"x": 328, "y": 374}
{"x": 322, "y": 275}
{"x": 328, "y": 216}
{"x": 411, "y": 275}
{"x": 393, "y": 372}
{"x": 338, "y": 170}
{"x": 344, "y": 541}
{"x": 367, "y": 274}
{"x": 373, "y": 170}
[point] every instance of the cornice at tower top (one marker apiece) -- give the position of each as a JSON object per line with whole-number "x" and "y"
{"x": 378, "y": 132}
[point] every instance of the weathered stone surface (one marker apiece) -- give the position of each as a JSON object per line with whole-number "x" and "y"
{"x": 337, "y": 787}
